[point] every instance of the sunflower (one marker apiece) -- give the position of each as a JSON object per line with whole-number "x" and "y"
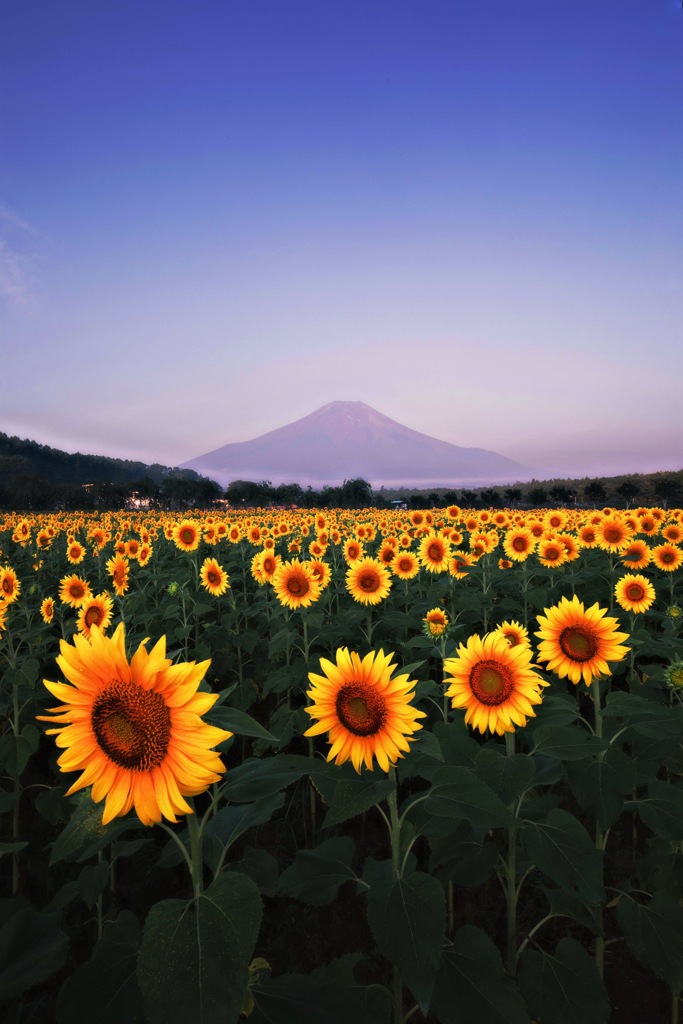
{"x": 214, "y": 577}
{"x": 578, "y": 643}
{"x": 551, "y": 553}
{"x": 673, "y": 532}
{"x": 73, "y": 590}
{"x": 519, "y": 543}
{"x": 3, "y": 616}
{"x": 435, "y": 623}
{"x": 295, "y": 584}
{"x": 187, "y": 535}
{"x": 634, "y": 593}
{"x": 636, "y": 555}
{"x": 667, "y": 557}
{"x": 365, "y": 709}
{"x": 47, "y": 609}
{"x": 134, "y": 728}
{"x": 118, "y": 569}
{"x": 496, "y": 683}
{"x": 353, "y": 550}
{"x": 368, "y": 581}
{"x": 613, "y": 533}
{"x": 460, "y": 564}
{"x": 514, "y": 632}
{"x": 95, "y": 611}
{"x": 10, "y": 585}
{"x": 75, "y": 552}
{"x": 587, "y": 537}
{"x": 405, "y": 565}
{"x": 434, "y": 552}
{"x": 268, "y": 563}
{"x": 321, "y": 570}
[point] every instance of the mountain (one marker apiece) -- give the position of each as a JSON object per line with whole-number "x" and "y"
{"x": 345, "y": 440}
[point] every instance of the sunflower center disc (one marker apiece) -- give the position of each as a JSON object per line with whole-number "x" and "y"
{"x": 635, "y": 592}
{"x": 132, "y": 726}
{"x": 297, "y": 586}
{"x": 519, "y": 544}
{"x": 93, "y": 616}
{"x": 578, "y": 644}
{"x": 435, "y": 552}
{"x": 491, "y": 682}
{"x": 360, "y": 709}
{"x": 368, "y": 582}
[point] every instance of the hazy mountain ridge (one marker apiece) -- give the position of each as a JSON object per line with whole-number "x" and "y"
{"x": 343, "y": 440}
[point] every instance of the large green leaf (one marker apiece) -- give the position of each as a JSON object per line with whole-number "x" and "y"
{"x": 654, "y": 933}
{"x": 408, "y": 918}
{"x": 257, "y": 777}
{"x": 566, "y": 742}
{"x": 564, "y": 987}
{"x": 662, "y": 809}
{"x": 331, "y": 995}
{"x": 32, "y": 947}
{"x": 647, "y": 717}
{"x": 233, "y": 821}
{"x": 508, "y": 776}
{"x": 349, "y": 793}
{"x": 238, "y": 722}
{"x": 106, "y": 987}
{"x": 194, "y": 955}
{"x": 316, "y": 875}
{"x": 461, "y": 855}
{"x": 600, "y": 785}
{"x": 459, "y": 793}
{"x": 85, "y": 834}
{"x": 561, "y": 848}
{"x": 472, "y": 986}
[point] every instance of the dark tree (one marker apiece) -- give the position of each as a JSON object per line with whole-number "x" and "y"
{"x": 595, "y": 492}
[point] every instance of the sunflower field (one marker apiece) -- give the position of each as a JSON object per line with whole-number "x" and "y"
{"x": 342, "y": 767}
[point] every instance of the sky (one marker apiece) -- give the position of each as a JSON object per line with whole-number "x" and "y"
{"x": 216, "y": 216}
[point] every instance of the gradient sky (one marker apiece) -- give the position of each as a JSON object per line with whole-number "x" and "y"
{"x": 217, "y": 216}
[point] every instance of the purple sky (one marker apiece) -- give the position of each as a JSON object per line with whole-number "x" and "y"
{"x": 217, "y": 216}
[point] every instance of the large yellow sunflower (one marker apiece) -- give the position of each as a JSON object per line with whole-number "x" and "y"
{"x": 134, "y": 729}
{"x": 496, "y": 683}
{"x": 667, "y": 557}
{"x": 577, "y": 642}
{"x": 368, "y": 581}
{"x": 214, "y": 577}
{"x": 10, "y": 585}
{"x": 187, "y": 534}
{"x": 73, "y": 590}
{"x": 366, "y": 711}
{"x": 434, "y": 552}
{"x": 295, "y": 584}
{"x": 95, "y": 611}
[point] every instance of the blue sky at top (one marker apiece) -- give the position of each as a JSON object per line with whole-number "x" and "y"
{"x": 217, "y": 216}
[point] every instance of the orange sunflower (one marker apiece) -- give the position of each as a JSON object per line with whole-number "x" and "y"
{"x": 73, "y": 590}
{"x": 405, "y": 565}
{"x": 75, "y": 552}
{"x": 47, "y": 610}
{"x": 10, "y": 585}
{"x": 578, "y": 643}
{"x": 434, "y": 552}
{"x": 368, "y": 581}
{"x": 496, "y": 683}
{"x": 514, "y": 632}
{"x": 365, "y": 709}
{"x": 295, "y": 584}
{"x": 95, "y": 611}
{"x": 133, "y": 729}
{"x": 667, "y": 557}
{"x": 187, "y": 535}
{"x": 214, "y": 577}
{"x": 636, "y": 555}
{"x": 519, "y": 543}
{"x": 634, "y": 593}
{"x": 118, "y": 569}
{"x": 435, "y": 623}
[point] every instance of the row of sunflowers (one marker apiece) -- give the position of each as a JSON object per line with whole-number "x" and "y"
{"x": 280, "y": 693}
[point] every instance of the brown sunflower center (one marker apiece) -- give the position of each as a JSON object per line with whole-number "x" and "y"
{"x": 8, "y": 585}
{"x": 578, "y": 643}
{"x": 76, "y": 590}
{"x": 520, "y": 543}
{"x": 132, "y": 726}
{"x": 613, "y": 534}
{"x": 361, "y": 709}
{"x": 213, "y": 577}
{"x": 298, "y": 586}
{"x": 667, "y": 556}
{"x": 369, "y": 582}
{"x": 93, "y": 616}
{"x": 491, "y": 682}
{"x": 435, "y": 552}
{"x": 511, "y": 638}
{"x": 187, "y": 536}
{"x": 635, "y": 592}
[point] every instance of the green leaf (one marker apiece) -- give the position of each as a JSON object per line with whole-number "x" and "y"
{"x": 458, "y": 746}
{"x": 461, "y": 856}
{"x": 407, "y": 917}
{"x": 645, "y": 717}
{"x": 654, "y": 933}
{"x": 561, "y": 848}
{"x": 564, "y": 988}
{"x": 600, "y": 785}
{"x": 233, "y": 821}
{"x": 326, "y": 997}
{"x": 238, "y": 722}
{"x": 508, "y": 776}
{"x": 85, "y": 834}
{"x": 256, "y": 777}
{"x": 108, "y": 981}
{"x": 92, "y": 881}
{"x": 459, "y": 793}
{"x": 316, "y": 875}
{"x": 194, "y": 956}
{"x": 556, "y": 709}
{"x": 32, "y": 947}
{"x": 566, "y": 742}
{"x": 662, "y": 809}
{"x": 6, "y": 848}
{"x": 472, "y": 985}
{"x": 260, "y": 866}
{"x": 349, "y": 793}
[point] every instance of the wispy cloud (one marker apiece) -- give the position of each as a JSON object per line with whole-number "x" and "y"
{"x": 15, "y": 276}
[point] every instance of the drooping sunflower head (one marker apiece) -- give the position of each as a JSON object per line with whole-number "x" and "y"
{"x": 47, "y": 610}
{"x": 133, "y": 727}
{"x": 496, "y": 684}
{"x": 578, "y": 643}
{"x": 435, "y": 623}
{"x": 366, "y": 710}
{"x": 514, "y": 632}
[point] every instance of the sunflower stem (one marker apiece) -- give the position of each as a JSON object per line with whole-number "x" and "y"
{"x": 369, "y": 627}
{"x": 395, "y": 833}
{"x": 675, "y": 998}
{"x": 600, "y": 840}
{"x": 196, "y": 862}
{"x": 511, "y": 876}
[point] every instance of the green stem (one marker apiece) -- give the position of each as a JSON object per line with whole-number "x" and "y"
{"x": 511, "y": 874}
{"x": 675, "y": 998}
{"x": 395, "y": 834}
{"x": 600, "y": 840}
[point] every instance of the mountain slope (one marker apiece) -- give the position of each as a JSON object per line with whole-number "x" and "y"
{"x": 343, "y": 440}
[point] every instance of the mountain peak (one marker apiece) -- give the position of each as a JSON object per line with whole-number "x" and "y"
{"x": 342, "y": 440}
